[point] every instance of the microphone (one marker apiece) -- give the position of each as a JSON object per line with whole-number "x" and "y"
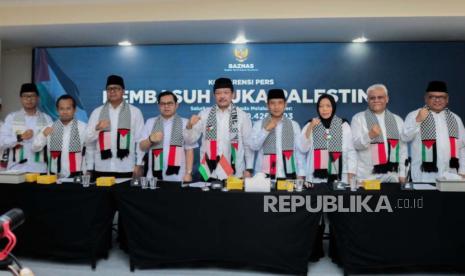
{"x": 9, "y": 221}
{"x": 15, "y": 217}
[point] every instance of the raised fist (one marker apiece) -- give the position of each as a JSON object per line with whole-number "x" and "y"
{"x": 313, "y": 124}
{"x": 271, "y": 125}
{"x": 103, "y": 124}
{"x": 27, "y": 134}
{"x": 375, "y": 131}
{"x": 193, "y": 121}
{"x": 422, "y": 114}
{"x": 47, "y": 131}
{"x": 156, "y": 137}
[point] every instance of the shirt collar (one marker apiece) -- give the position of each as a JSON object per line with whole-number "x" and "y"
{"x": 118, "y": 107}
{"x": 69, "y": 124}
{"x": 25, "y": 113}
{"x": 440, "y": 112}
{"x": 280, "y": 120}
{"x": 226, "y": 110}
{"x": 381, "y": 114}
{"x": 167, "y": 120}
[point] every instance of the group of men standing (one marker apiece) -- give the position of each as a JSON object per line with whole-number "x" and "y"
{"x": 116, "y": 142}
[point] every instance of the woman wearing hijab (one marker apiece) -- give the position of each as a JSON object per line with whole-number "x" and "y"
{"x": 328, "y": 142}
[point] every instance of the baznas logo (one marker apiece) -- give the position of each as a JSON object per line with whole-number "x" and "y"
{"x": 241, "y": 54}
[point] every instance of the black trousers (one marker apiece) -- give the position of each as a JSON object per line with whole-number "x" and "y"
{"x": 121, "y": 238}
{"x": 318, "y": 251}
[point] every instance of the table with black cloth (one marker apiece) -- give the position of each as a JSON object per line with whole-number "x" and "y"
{"x": 171, "y": 226}
{"x": 63, "y": 222}
{"x": 427, "y": 238}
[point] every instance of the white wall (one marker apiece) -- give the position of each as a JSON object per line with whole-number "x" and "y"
{"x": 57, "y": 12}
{"x": 15, "y": 69}
{"x": 1, "y": 82}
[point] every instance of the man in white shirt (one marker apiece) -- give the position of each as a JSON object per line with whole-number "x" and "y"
{"x": 226, "y": 129}
{"x": 20, "y": 129}
{"x": 376, "y": 136}
{"x": 170, "y": 153}
{"x": 113, "y": 130}
{"x": 437, "y": 137}
{"x": 64, "y": 140}
{"x": 275, "y": 138}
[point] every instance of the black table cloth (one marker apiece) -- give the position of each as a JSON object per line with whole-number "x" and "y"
{"x": 430, "y": 237}
{"x": 174, "y": 226}
{"x": 171, "y": 226}
{"x": 63, "y": 222}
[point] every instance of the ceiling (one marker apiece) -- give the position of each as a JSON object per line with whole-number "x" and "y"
{"x": 49, "y": 23}
{"x": 53, "y": 2}
{"x": 224, "y": 31}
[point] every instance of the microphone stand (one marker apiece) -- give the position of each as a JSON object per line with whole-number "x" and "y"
{"x": 408, "y": 175}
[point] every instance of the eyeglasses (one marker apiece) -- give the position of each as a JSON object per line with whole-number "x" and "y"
{"x": 114, "y": 88}
{"x": 168, "y": 104}
{"x": 374, "y": 98}
{"x": 29, "y": 96}
{"x": 438, "y": 98}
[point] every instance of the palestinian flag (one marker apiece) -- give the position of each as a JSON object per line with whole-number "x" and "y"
{"x": 211, "y": 154}
{"x": 74, "y": 158}
{"x": 320, "y": 159}
{"x": 378, "y": 154}
{"x": 75, "y": 161}
{"x": 453, "y": 147}
{"x": 428, "y": 151}
{"x": 269, "y": 165}
{"x": 394, "y": 150}
{"x": 234, "y": 149}
{"x": 18, "y": 154}
{"x": 104, "y": 141}
{"x": 333, "y": 164}
{"x": 174, "y": 160}
{"x": 454, "y": 161}
{"x": 123, "y": 142}
{"x": 40, "y": 156}
{"x": 54, "y": 162}
{"x": 289, "y": 163}
{"x": 157, "y": 163}
{"x": 204, "y": 169}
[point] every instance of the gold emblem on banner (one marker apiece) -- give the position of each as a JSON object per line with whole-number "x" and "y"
{"x": 241, "y": 54}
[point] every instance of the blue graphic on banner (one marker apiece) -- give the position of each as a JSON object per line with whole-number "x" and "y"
{"x": 304, "y": 70}
{"x": 53, "y": 83}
